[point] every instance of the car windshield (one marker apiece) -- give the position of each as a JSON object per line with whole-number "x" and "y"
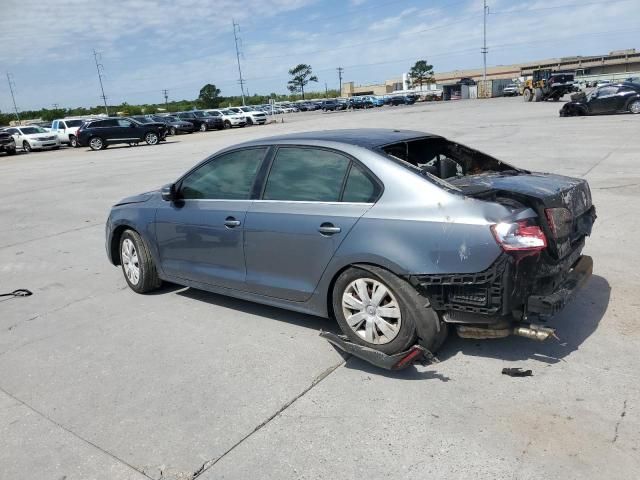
{"x": 32, "y": 130}
{"x": 74, "y": 123}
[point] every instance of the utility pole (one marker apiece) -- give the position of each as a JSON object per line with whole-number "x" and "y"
{"x": 165, "y": 92}
{"x": 55, "y": 106}
{"x": 99, "y": 66}
{"x": 11, "y": 87}
{"x": 485, "y": 12}
{"x": 236, "y": 29}
{"x": 340, "y": 70}
{"x": 326, "y": 90}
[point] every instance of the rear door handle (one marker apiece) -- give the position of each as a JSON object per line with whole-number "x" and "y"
{"x": 231, "y": 222}
{"x": 328, "y": 229}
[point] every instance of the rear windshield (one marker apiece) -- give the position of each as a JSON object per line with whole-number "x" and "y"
{"x": 443, "y": 159}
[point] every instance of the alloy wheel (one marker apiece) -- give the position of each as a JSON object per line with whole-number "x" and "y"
{"x": 130, "y": 261}
{"x": 635, "y": 107}
{"x": 96, "y": 143}
{"x": 371, "y": 311}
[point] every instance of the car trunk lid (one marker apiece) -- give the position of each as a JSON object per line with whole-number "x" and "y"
{"x": 563, "y": 204}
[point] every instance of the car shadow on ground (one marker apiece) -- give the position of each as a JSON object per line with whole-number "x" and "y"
{"x": 270, "y": 313}
{"x": 119, "y": 146}
{"x": 574, "y": 325}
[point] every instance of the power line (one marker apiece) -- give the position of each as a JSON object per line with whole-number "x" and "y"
{"x": 11, "y": 87}
{"x": 236, "y": 29}
{"x": 99, "y": 66}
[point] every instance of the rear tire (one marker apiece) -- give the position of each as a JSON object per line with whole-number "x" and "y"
{"x": 537, "y": 95}
{"x": 634, "y": 107}
{"x": 203, "y": 127}
{"x": 527, "y": 95}
{"x": 172, "y": 131}
{"x": 249, "y": 121}
{"x": 137, "y": 264}
{"x": 227, "y": 124}
{"x": 73, "y": 141}
{"x": 11, "y": 151}
{"x": 411, "y": 308}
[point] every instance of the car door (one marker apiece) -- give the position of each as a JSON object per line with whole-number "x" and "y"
{"x": 293, "y": 231}
{"x": 201, "y": 236}
{"x": 604, "y": 101}
{"x": 128, "y": 130}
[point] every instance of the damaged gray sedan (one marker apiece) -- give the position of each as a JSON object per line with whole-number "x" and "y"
{"x": 398, "y": 235}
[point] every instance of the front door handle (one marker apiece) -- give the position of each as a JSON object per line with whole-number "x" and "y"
{"x": 231, "y": 222}
{"x": 328, "y": 229}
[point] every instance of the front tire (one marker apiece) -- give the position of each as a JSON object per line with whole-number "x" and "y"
{"x": 96, "y": 143}
{"x": 527, "y": 95}
{"x": 137, "y": 265}
{"x": 379, "y": 310}
{"x": 151, "y": 138}
{"x": 249, "y": 121}
{"x": 172, "y": 131}
{"x": 203, "y": 127}
{"x": 26, "y": 146}
{"x": 227, "y": 124}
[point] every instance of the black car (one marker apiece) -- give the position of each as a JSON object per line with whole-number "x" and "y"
{"x": 98, "y": 134}
{"x": 402, "y": 100}
{"x": 175, "y": 125}
{"x": 617, "y": 98}
{"x": 332, "y": 105}
{"x": 201, "y": 120}
{"x": 7, "y": 143}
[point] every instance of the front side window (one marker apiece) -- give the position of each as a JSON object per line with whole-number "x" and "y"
{"x": 306, "y": 175}
{"x": 228, "y": 177}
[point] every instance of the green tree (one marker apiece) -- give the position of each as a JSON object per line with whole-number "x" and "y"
{"x": 209, "y": 96}
{"x": 421, "y": 73}
{"x": 301, "y": 76}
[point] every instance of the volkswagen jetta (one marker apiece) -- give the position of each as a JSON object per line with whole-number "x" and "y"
{"x": 395, "y": 234}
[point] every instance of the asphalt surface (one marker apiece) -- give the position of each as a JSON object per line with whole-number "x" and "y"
{"x": 97, "y": 382}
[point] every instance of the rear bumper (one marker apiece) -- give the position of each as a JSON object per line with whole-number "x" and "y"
{"x": 556, "y": 301}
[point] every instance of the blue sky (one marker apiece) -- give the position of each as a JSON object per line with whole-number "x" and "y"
{"x": 150, "y": 45}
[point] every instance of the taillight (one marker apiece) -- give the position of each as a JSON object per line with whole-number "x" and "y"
{"x": 519, "y": 236}
{"x": 560, "y": 221}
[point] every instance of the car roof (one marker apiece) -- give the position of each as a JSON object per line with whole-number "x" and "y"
{"x": 363, "y": 137}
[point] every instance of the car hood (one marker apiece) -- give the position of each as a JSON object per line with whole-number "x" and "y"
{"x": 139, "y": 198}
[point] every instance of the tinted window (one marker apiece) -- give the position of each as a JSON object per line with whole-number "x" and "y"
{"x": 104, "y": 123}
{"x": 359, "y": 187}
{"x": 606, "y": 91}
{"x": 74, "y": 123}
{"x": 228, "y": 177}
{"x": 124, "y": 123}
{"x": 306, "y": 174}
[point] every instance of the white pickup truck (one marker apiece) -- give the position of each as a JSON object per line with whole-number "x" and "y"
{"x": 67, "y": 130}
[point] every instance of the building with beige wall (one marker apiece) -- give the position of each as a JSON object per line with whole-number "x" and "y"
{"x": 616, "y": 65}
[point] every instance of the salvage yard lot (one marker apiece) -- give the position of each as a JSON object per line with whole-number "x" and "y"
{"x": 97, "y": 382}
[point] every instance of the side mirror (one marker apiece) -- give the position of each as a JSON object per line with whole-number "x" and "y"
{"x": 168, "y": 192}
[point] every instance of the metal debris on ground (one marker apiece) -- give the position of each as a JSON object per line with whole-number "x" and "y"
{"x": 517, "y": 372}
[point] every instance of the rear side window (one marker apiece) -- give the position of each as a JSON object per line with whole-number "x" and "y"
{"x": 228, "y": 177}
{"x": 360, "y": 188}
{"x": 104, "y": 123}
{"x": 306, "y": 175}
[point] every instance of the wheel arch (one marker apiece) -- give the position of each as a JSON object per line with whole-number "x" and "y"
{"x": 368, "y": 266}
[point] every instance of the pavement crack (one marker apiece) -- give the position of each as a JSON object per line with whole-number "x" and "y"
{"x": 319, "y": 378}
{"x": 84, "y": 227}
{"x": 71, "y": 432}
{"x": 622, "y": 415}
